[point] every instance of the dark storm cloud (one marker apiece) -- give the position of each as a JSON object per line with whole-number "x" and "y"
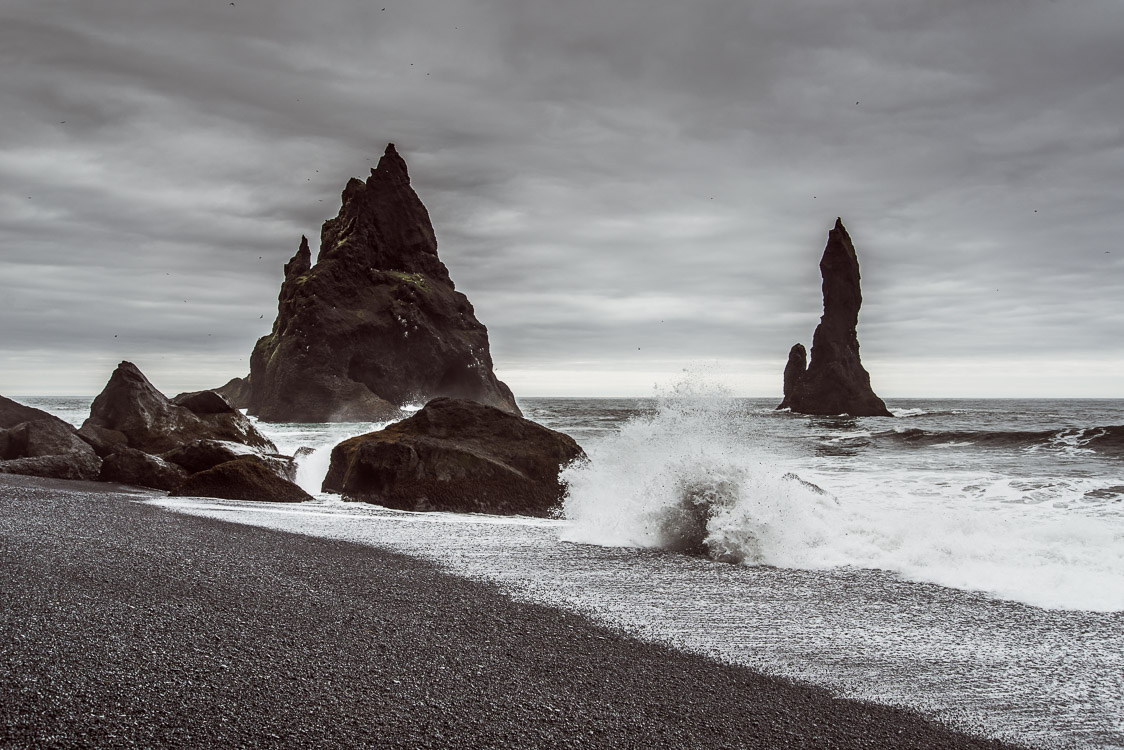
{"x": 621, "y": 188}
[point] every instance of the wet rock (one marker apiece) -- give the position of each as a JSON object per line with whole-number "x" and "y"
{"x": 835, "y": 381}
{"x": 43, "y": 446}
{"x": 204, "y": 402}
{"x": 104, "y": 441}
{"x": 200, "y": 455}
{"x": 43, "y": 437}
{"x": 131, "y": 466}
{"x": 13, "y": 413}
{"x": 131, "y": 405}
{"x": 376, "y": 322}
{"x": 455, "y": 455}
{"x": 85, "y": 466}
{"x": 247, "y": 478}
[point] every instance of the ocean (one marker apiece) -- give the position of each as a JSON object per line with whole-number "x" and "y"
{"x": 964, "y": 559}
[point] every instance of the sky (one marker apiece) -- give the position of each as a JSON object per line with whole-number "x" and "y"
{"x": 630, "y": 192}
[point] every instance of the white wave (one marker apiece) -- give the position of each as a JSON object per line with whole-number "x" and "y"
{"x": 312, "y": 467}
{"x": 312, "y": 444}
{"x": 908, "y": 412}
{"x": 693, "y": 478}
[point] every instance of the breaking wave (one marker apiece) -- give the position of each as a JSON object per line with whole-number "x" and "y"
{"x": 693, "y": 478}
{"x": 1107, "y": 441}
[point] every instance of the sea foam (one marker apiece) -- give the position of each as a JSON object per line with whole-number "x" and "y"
{"x": 694, "y": 477}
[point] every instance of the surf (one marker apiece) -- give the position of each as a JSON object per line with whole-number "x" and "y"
{"x": 701, "y": 475}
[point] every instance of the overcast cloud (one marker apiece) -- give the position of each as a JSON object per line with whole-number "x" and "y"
{"x": 623, "y": 189}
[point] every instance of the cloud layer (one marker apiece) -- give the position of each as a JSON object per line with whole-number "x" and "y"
{"x": 622, "y": 189}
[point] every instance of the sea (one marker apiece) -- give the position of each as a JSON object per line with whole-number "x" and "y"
{"x": 963, "y": 559}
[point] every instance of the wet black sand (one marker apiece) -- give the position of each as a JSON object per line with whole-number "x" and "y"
{"x": 125, "y": 625}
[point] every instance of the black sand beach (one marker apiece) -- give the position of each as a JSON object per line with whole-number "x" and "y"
{"x": 124, "y": 625}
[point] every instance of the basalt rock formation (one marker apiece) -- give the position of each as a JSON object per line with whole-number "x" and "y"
{"x": 131, "y": 405}
{"x": 236, "y": 391}
{"x": 835, "y": 381}
{"x": 246, "y": 478}
{"x": 130, "y": 466}
{"x": 455, "y": 455}
{"x": 13, "y": 413}
{"x": 375, "y": 322}
{"x": 42, "y": 445}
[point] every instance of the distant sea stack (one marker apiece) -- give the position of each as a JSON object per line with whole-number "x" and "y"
{"x": 835, "y": 382}
{"x": 375, "y": 322}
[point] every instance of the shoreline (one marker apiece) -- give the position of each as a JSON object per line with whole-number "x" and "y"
{"x": 128, "y": 625}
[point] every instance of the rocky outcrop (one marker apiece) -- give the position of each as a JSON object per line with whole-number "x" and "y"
{"x": 42, "y": 445}
{"x": 247, "y": 478}
{"x": 43, "y": 437}
{"x": 455, "y": 455}
{"x": 236, "y": 391}
{"x": 200, "y": 455}
{"x": 375, "y": 322}
{"x": 132, "y": 406}
{"x": 131, "y": 466}
{"x": 103, "y": 441}
{"x": 13, "y": 413}
{"x": 85, "y": 466}
{"x": 835, "y": 381}
{"x": 203, "y": 402}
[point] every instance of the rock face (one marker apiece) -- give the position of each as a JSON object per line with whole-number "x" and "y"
{"x": 62, "y": 466}
{"x": 835, "y": 381}
{"x": 131, "y": 466}
{"x": 132, "y": 406}
{"x": 200, "y": 455}
{"x": 246, "y": 478}
{"x": 13, "y": 413}
{"x": 455, "y": 455}
{"x": 35, "y": 443}
{"x": 376, "y": 322}
{"x": 236, "y": 391}
{"x": 203, "y": 402}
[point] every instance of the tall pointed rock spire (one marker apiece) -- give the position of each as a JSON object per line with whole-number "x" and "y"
{"x": 375, "y": 323}
{"x": 835, "y": 381}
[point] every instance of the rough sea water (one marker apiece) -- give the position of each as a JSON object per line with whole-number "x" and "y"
{"x": 964, "y": 559}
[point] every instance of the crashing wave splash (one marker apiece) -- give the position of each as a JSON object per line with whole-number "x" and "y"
{"x": 691, "y": 478}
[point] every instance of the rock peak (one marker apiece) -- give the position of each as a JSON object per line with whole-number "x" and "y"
{"x": 377, "y": 322}
{"x": 835, "y": 381}
{"x": 301, "y": 262}
{"x": 391, "y": 167}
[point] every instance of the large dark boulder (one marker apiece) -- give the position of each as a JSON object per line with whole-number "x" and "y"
{"x": 43, "y": 437}
{"x": 203, "y": 402}
{"x": 455, "y": 455}
{"x": 247, "y": 478}
{"x": 42, "y": 445}
{"x": 102, "y": 440}
{"x": 375, "y": 322}
{"x": 13, "y": 413}
{"x": 131, "y": 466}
{"x": 131, "y": 405}
{"x": 200, "y": 455}
{"x": 835, "y": 381}
{"x": 85, "y": 466}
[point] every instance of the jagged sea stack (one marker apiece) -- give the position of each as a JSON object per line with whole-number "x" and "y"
{"x": 376, "y": 322}
{"x": 835, "y": 381}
